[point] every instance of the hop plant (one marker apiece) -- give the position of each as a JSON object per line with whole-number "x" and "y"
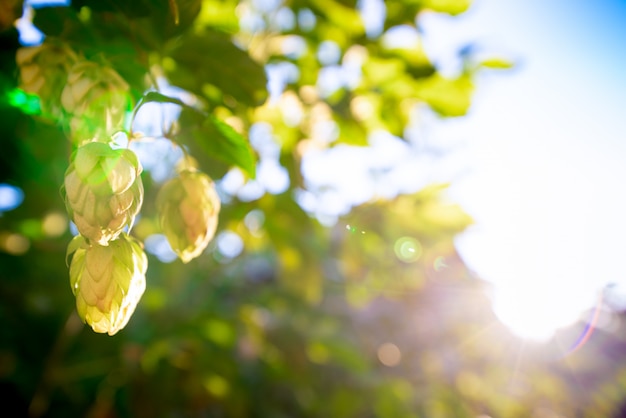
{"x": 107, "y": 282}
{"x": 103, "y": 191}
{"x": 188, "y": 208}
{"x": 43, "y": 71}
{"x": 97, "y": 98}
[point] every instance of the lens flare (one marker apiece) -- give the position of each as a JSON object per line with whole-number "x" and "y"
{"x": 408, "y": 249}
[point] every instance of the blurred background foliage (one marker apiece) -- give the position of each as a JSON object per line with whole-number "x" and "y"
{"x": 371, "y": 315}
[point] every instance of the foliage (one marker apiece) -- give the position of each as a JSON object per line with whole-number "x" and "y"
{"x": 304, "y": 319}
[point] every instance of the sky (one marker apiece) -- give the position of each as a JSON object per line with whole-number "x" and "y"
{"x": 545, "y": 153}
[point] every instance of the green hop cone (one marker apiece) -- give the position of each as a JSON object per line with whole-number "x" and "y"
{"x": 188, "y": 208}
{"x": 107, "y": 282}
{"x": 103, "y": 191}
{"x": 43, "y": 71}
{"x": 97, "y": 98}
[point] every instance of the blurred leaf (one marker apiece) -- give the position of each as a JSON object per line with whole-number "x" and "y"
{"x": 52, "y": 21}
{"x": 177, "y": 18}
{"x": 380, "y": 71}
{"x": 452, "y": 7}
{"x": 210, "y": 58}
{"x": 131, "y": 9}
{"x": 345, "y": 354}
{"x": 448, "y": 97}
{"x": 151, "y": 21}
{"x": 351, "y": 133}
{"x": 219, "y": 14}
{"x": 393, "y": 400}
{"x": 341, "y": 16}
{"x": 496, "y": 64}
{"x": 216, "y": 139}
{"x": 436, "y": 216}
{"x": 401, "y": 12}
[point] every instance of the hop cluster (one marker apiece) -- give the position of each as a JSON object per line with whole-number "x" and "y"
{"x": 103, "y": 191}
{"x": 43, "y": 71}
{"x": 97, "y": 98}
{"x": 188, "y": 208}
{"x": 108, "y": 281}
{"x": 93, "y": 98}
{"x": 102, "y": 188}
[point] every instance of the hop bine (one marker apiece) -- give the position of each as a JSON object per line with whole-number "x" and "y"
{"x": 103, "y": 191}
{"x": 97, "y": 98}
{"x": 107, "y": 282}
{"x": 43, "y": 71}
{"x": 188, "y": 208}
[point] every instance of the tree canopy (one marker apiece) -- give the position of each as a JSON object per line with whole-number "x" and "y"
{"x": 234, "y": 287}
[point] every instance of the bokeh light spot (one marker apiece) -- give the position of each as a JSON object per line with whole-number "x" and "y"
{"x": 159, "y": 246}
{"x": 306, "y": 19}
{"x": 14, "y": 244}
{"x": 439, "y": 263}
{"x": 10, "y": 197}
{"x": 254, "y": 221}
{"x": 54, "y": 224}
{"x": 229, "y": 244}
{"x": 353, "y": 229}
{"x": 27, "y": 103}
{"x": 389, "y": 354}
{"x": 317, "y": 353}
{"x": 470, "y": 385}
{"x": 217, "y": 386}
{"x": 220, "y": 332}
{"x": 408, "y": 249}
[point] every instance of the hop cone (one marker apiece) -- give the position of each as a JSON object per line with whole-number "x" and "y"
{"x": 103, "y": 191}
{"x": 97, "y": 99}
{"x": 43, "y": 71}
{"x": 188, "y": 208}
{"x": 107, "y": 281}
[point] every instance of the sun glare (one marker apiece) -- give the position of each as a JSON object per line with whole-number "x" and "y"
{"x": 532, "y": 316}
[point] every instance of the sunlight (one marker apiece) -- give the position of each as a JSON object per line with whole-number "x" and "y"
{"x": 533, "y": 316}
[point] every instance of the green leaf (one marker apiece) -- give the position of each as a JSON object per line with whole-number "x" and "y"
{"x": 53, "y": 20}
{"x": 448, "y": 97}
{"x": 211, "y": 59}
{"x": 156, "y": 97}
{"x": 341, "y": 16}
{"x": 77, "y": 242}
{"x": 217, "y": 140}
{"x": 452, "y": 7}
{"x": 213, "y": 137}
{"x": 219, "y": 14}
